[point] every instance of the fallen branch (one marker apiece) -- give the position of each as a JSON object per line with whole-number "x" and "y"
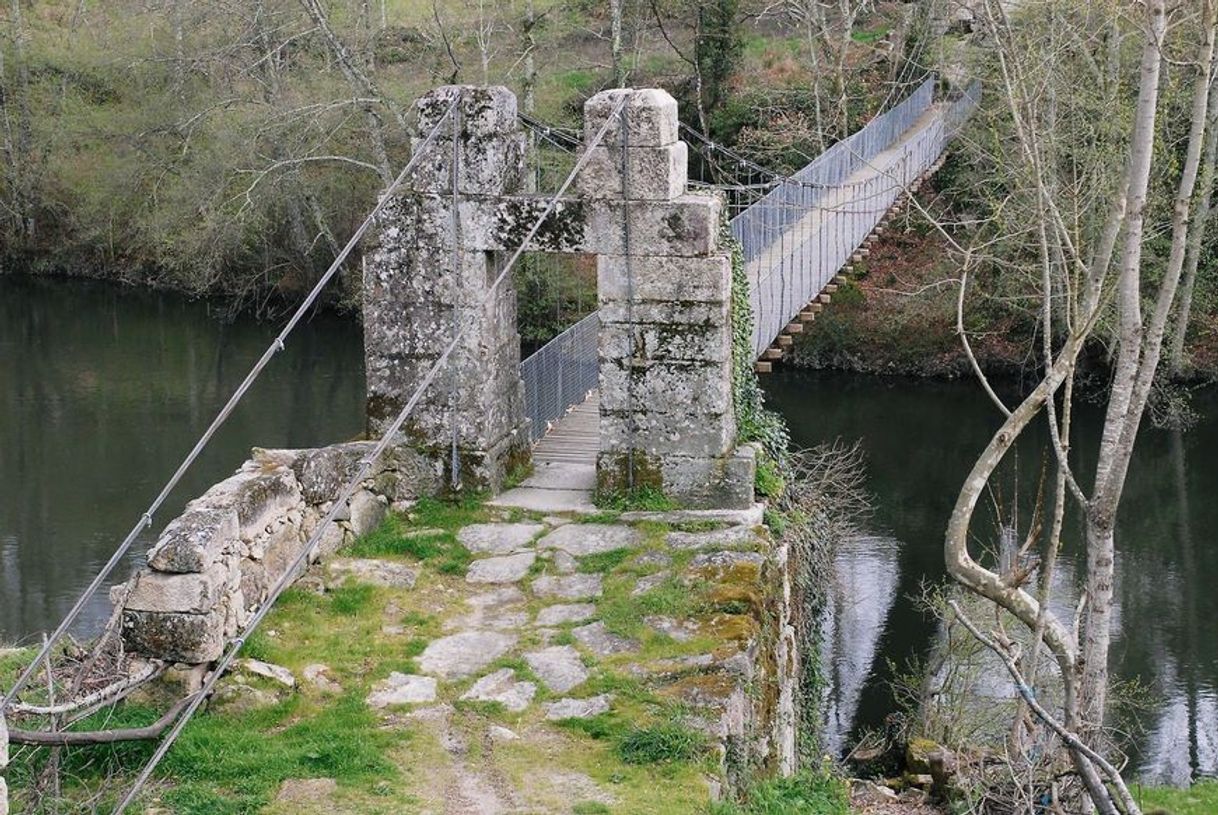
{"x": 39, "y": 738}
{"x": 112, "y": 692}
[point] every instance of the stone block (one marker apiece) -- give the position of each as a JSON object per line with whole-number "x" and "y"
{"x": 721, "y": 483}
{"x": 650, "y": 116}
{"x": 189, "y": 638}
{"x": 712, "y": 314}
{"x": 367, "y": 512}
{"x": 491, "y": 164}
{"x": 483, "y": 109}
{"x": 259, "y": 495}
{"x": 655, "y": 173}
{"x": 662, "y": 434}
{"x": 668, "y": 342}
{"x": 195, "y": 540}
{"x": 191, "y": 593}
{"x": 280, "y": 549}
{"x": 692, "y": 389}
{"x": 683, "y": 227}
{"x": 324, "y": 471}
{"x": 665, "y": 278}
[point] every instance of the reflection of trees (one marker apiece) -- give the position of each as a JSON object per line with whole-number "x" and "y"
{"x": 865, "y": 578}
{"x": 103, "y": 391}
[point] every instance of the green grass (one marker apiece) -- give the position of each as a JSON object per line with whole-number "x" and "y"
{"x": 427, "y": 533}
{"x": 661, "y": 744}
{"x": 590, "y": 808}
{"x": 803, "y": 794}
{"x": 604, "y": 561}
{"x": 639, "y": 499}
{"x": 352, "y": 599}
{"x": 1201, "y": 799}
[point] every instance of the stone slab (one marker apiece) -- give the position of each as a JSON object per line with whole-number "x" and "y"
{"x": 565, "y": 613}
{"x": 545, "y": 500}
{"x": 559, "y": 667}
{"x": 578, "y": 708}
{"x": 464, "y": 654}
{"x": 602, "y": 642}
{"x": 498, "y": 539}
{"x": 589, "y": 539}
{"x": 388, "y": 573}
{"x": 402, "y": 689}
{"x": 195, "y": 540}
{"x": 569, "y": 587}
{"x": 554, "y": 475}
{"x": 500, "y": 569}
{"x": 502, "y": 687}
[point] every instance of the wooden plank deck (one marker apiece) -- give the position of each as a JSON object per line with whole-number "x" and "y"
{"x": 576, "y": 437}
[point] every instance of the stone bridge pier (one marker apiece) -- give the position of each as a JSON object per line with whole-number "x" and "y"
{"x": 664, "y": 291}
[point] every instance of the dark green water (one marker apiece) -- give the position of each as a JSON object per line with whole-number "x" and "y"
{"x": 103, "y": 390}
{"x": 920, "y": 439}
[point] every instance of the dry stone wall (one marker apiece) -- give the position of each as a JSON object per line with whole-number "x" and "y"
{"x": 214, "y": 565}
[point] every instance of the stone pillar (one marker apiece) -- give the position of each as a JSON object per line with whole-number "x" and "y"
{"x": 421, "y": 284}
{"x": 665, "y": 343}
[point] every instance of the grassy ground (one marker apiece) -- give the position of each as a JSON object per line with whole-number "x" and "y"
{"x": 1201, "y": 799}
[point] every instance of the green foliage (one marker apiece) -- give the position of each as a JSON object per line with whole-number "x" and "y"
{"x": 351, "y": 599}
{"x": 590, "y": 808}
{"x": 769, "y": 481}
{"x": 802, "y": 794}
{"x": 754, "y": 422}
{"x": 602, "y": 727}
{"x": 427, "y": 533}
{"x": 1200, "y": 799}
{"x": 604, "y": 561}
{"x": 717, "y": 47}
{"x": 660, "y": 744}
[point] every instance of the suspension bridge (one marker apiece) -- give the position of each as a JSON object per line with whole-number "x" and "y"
{"x": 635, "y": 394}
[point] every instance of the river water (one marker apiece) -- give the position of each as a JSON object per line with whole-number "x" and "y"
{"x": 920, "y": 439}
{"x": 104, "y": 389}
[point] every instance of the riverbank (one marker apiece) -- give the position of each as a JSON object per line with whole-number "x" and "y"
{"x": 897, "y": 312}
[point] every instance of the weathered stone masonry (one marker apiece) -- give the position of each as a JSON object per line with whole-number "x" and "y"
{"x": 664, "y": 297}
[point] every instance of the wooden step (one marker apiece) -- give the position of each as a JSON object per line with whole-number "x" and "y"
{"x": 814, "y": 307}
{"x": 807, "y": 316}
{"x": 771, "y": 353}
{"x": 785, "y": 342}
{"x": 865, "y": 252}
{"x": 795, "y": 328}
{"x": 840, "y": 279}
{"x": 829, "y": 288}
{"x": 825, "y": 298}
{"x": 763, "y": 367}
{"x": 857, "y": 257}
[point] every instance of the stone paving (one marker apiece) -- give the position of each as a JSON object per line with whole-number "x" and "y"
{"x": 531, "y": 635}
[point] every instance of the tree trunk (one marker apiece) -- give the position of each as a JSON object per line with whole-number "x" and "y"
{"x": 615, "y": 43}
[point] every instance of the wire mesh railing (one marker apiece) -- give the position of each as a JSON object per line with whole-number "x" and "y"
{"x": 799, "y": 235}
{"x": 560, "y": 374}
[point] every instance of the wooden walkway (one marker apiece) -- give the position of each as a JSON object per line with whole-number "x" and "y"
{"x": 564, "y": 465}
{"x": 576, "y": 437}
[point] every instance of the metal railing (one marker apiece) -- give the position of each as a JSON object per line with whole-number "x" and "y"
{"x": 559, "y": 375}
{"x": 799, "y": 235}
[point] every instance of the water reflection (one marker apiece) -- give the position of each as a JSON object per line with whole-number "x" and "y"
{"x": 103, "y": 390}
{"x": 863, "y": 591}
{"x": 920, "y": 439}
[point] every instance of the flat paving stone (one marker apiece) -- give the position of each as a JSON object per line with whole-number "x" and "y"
{"x": 499, "y": 608}
{"x": 402, "y": 689}
{"x": 502, "y": 687}
{"x": 578, "y": 708}
{"x": 565, "y": 613}
{"x": 562, "y": 475}
{"x": 600, "y": 641}
{"x": 715, "y": 539}
{"x": 590, "y": 539}
{"x": 501, "y": 569}
{"x": 564, "y": 562}
{"x": 679, "y": 630}
{"x": 569, "y": 587}
{"x": 559, "y": 667}
{"x": 498, "y": 539}
{"x": 741, "y": 517}
{"x": 387, "y": 573}
{"x": 545, "y": 500}
{"x": 647, "y": 583}
{"x": 661, "y": 559}
{"x": 461, "y": 655}
{"x": 725, "y": 560}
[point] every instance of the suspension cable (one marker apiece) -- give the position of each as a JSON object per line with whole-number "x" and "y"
{"x": 353, "y": 483}
{"x": 275, "y": 347}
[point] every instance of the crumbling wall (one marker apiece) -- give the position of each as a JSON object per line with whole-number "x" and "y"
{"x": 214, "y": 565}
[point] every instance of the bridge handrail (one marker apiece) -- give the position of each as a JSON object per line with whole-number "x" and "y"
{"x": 559, "y": 374}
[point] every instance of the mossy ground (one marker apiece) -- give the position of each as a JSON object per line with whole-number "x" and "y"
{"x": 645, "y": 756}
